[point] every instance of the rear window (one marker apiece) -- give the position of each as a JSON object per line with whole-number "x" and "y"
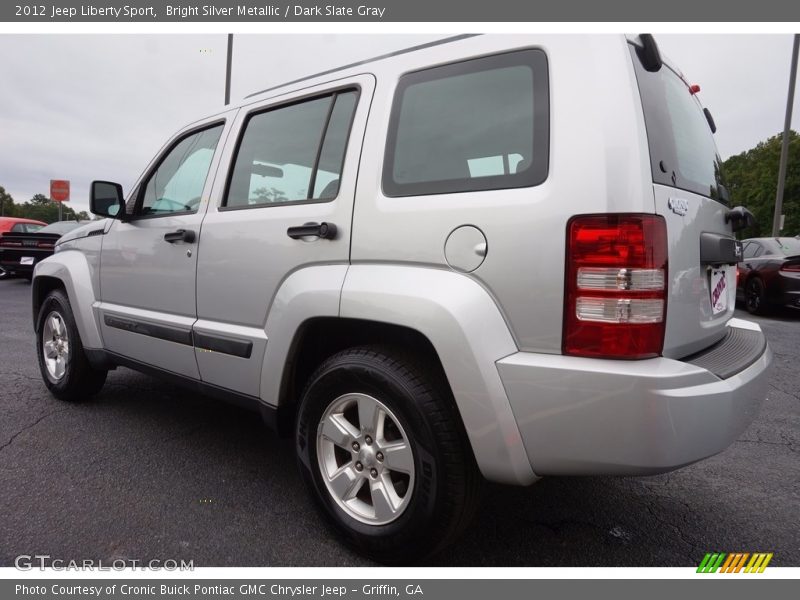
{"x": 683, "y": 153}
{"x": 481, "y": 124}
{"x": 60, "y": 227}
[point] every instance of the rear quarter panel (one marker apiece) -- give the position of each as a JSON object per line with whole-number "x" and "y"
{"x": 598, "y": 162}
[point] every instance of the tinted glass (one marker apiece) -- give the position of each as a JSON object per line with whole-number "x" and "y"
{"x": 749, "y": 250}
{"x": 683, "y": 153}
{"x": 292, "y": 153}
{"x": 177, "y": 184}
{"x": 787, "y": 246}
{"x": 326, "y": 184}
{"x": 60, "y": 227}
{"x": 477, "y": 125}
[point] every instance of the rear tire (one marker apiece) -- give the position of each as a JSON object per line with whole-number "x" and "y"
{"x": 65, "y": 369}
{"x": 755, "y": 296}
{"x": 381, "y": 447}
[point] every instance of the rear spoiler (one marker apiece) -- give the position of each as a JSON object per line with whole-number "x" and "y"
{"x": 648, "y": 53}
{"x": 35, "y": 236}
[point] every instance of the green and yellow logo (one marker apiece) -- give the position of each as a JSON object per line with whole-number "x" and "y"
{"x": 735, "y": 562}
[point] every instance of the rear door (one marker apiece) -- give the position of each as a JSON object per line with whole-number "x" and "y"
{"x": 689, "y": 194}
{"x": 294, "y": 163}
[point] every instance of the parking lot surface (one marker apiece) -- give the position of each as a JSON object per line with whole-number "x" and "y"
{"x": 149, "y": 471}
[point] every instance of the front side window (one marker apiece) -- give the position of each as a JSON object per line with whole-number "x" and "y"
{"x": 292, "y": 153}
{"x": 481, "y": 124}
{"x": 177, "y": 183}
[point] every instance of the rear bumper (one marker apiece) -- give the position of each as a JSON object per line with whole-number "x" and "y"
{"x": 10, "y": 260}
{"x": 581, "y": 416}
{"x": 17, "y": 269}
{"x": 784, "y": 289}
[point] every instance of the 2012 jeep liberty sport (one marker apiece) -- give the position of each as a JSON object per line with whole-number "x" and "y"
{"x": 487, "y": 258}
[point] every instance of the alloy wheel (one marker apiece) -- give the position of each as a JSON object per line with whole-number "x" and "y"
{"x": 55, "y": 345}
{"x": 365, "y": 459}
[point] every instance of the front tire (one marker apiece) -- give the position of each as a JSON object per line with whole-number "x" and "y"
{"x": 65, "y": 369}
{"x": 381, "y": 447}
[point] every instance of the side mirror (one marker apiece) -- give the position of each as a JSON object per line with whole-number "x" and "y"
{"x": 106, "y": 200}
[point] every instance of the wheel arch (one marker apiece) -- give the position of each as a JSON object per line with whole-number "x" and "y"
{"x": 71, "y": 272}
{"x": 449, "y": 318}
{"x": 317, "y": 338}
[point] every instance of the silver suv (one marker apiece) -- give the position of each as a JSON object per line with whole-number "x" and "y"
{"x": 489, "y": 258}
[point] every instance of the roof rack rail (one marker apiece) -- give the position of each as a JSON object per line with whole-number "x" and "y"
{"x": 446, "y": 40}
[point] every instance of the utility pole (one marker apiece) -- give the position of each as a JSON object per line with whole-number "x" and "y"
{"x": 228, "y": 70}
{"x": 787, "y": 124}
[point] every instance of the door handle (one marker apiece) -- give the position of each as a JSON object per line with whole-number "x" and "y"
{"x": 326, "y": 231}
{"x": 181, "y": 235}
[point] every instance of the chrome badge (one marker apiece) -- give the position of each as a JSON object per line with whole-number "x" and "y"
{"x": 678, "y": 205}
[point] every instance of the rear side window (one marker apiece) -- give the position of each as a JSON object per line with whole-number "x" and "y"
{"x": 481, "y": 124}
{"x": 292, "y": 153}
{"x": 683, "y": 153}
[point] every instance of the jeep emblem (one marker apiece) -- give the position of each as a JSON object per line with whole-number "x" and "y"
{"x": 678, "y": 205}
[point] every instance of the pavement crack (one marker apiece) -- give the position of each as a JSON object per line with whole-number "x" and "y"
{"x": 17, "y": 375}
{"x": 681, "y": 535}
{"x": 31, "y": 426}
{"x": 788, "y": 445}
{"x": 783, "y": 391}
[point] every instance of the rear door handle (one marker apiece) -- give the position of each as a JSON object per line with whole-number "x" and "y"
{"x": 326, "y": 231}
{"x": 181, "y": 235}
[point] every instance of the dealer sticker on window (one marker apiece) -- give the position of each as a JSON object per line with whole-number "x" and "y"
{"x": 719, "y": 291}
{"x": 26, "y": 260}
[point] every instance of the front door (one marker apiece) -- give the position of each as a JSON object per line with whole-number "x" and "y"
{"x": 149, "y": 261}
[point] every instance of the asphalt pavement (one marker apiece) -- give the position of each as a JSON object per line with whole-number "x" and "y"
{"x": 150, "y": 471}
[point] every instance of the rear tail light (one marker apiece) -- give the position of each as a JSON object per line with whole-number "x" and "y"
{"x": 45, "y": 245}
{"x": 10, "y": 243}
{"x": 616, "y": 283}
{"x": 792, "y": 268}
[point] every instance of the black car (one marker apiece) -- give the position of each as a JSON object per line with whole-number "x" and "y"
{"x": 19, "y": 252}
{"x": 769, "y": 273}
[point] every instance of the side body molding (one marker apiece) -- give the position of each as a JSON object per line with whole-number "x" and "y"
{"x": 469, "y": 334}
{"x": 73, "y": 269}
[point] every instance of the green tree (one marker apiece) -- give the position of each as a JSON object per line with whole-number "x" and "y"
{"x": 7, "y": 208}
{"x": 41, "y": 208}
{"x": 752, "y": 178}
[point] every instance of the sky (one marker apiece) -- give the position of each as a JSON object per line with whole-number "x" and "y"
{"x": 85, "y": 107}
